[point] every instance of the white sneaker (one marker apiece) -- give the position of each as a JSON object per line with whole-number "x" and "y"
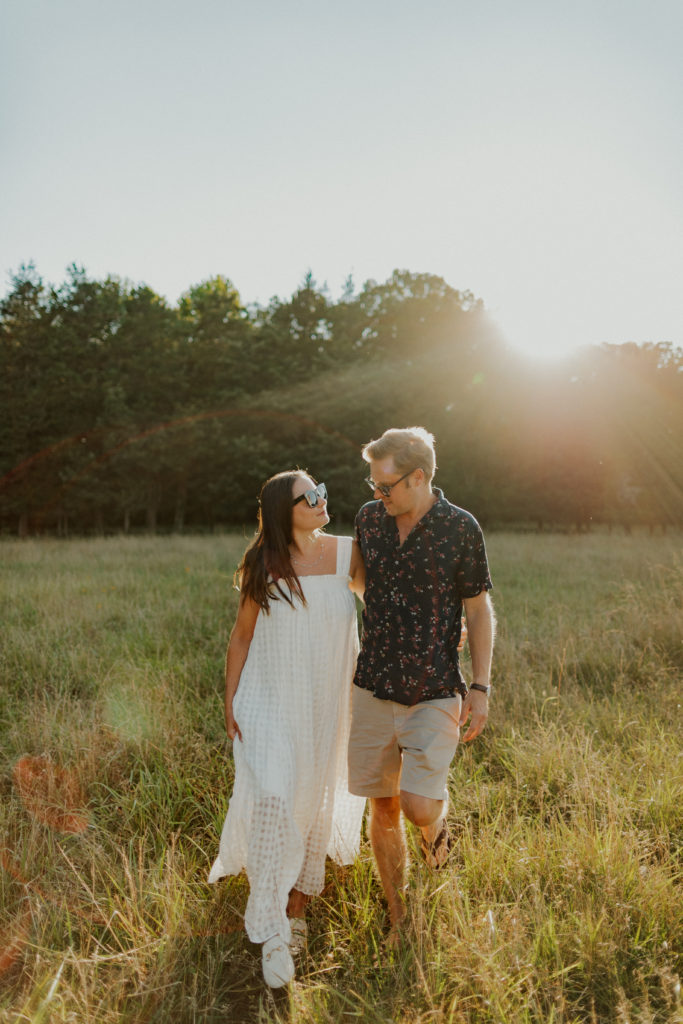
{"x": 278, "y": 966}
{"x": 297, "y": 943}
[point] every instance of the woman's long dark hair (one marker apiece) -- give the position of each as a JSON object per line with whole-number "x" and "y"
{"x": 268, "y": 554}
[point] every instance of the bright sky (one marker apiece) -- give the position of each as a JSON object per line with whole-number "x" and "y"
{"x": 531, "y": 151}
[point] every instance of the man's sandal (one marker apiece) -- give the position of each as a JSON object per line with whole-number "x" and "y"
{"x": 436, "y": 853}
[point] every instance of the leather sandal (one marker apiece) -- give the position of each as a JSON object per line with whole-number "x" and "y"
{"x": 436, "y": 853}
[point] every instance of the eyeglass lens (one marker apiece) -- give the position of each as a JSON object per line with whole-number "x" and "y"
{"x": 385, "y": 489}
{"x": 318, "y": 493}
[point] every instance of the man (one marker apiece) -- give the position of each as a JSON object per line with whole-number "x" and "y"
{"x": 425, "y": 560}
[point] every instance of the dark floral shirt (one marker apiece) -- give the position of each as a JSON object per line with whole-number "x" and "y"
{"x": 413, "y": 600}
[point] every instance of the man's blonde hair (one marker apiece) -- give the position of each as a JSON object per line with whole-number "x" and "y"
{"x": 411, "y": 448}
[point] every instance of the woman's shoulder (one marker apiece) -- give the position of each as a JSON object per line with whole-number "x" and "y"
{"x": 342, "y": 542}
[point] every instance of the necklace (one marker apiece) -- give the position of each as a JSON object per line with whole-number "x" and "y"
{"x": 307, "y": 565}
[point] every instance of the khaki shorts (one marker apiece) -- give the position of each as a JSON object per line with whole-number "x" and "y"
{"x": 394, "y": 747}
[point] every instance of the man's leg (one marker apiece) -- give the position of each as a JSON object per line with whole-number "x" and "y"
{"x": 429, "y": 738}
{"x": 389, "y": 848}
{"x": 424, "y": 812}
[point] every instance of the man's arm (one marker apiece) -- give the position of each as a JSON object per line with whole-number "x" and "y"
{"x": 481, "y": 625}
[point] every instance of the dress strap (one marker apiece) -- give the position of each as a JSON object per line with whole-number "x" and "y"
{"x": 344, "y": 546}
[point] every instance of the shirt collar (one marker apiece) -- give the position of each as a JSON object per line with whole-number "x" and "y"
{"x": 441, "y": 506}
{"x": 439, "y": 510}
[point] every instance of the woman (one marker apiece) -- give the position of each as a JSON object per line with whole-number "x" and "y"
{"x": 289, "y": 666}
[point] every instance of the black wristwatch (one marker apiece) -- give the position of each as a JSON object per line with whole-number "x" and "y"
{"x": 481, "y": 688}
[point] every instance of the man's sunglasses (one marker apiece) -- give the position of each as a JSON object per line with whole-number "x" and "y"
{"x": 312, "y": 497}
{"x": 385, "y": 489}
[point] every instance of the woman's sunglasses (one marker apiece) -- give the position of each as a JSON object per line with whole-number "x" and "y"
{"x": 312, "y": 497}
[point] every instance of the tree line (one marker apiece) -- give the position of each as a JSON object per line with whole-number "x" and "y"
{"x": 123, "y": 412}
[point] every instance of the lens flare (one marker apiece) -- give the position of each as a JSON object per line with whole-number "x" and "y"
{"x": 51, "y": 794}
{"x": 12, "y": 940}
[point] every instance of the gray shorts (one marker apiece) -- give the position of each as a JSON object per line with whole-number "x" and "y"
{"x": 394, "y": 747}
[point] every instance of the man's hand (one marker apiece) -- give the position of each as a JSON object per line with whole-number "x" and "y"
{"x": 476, "y": 705}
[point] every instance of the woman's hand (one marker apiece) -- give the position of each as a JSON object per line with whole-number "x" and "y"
{"x": 231, "y": 725}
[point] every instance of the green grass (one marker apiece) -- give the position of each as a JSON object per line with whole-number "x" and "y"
{"x": 563, "y": 901}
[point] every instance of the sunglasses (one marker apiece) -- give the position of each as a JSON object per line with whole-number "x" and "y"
{"x": 312, "y": 497}
{"x": 385, "y": 489}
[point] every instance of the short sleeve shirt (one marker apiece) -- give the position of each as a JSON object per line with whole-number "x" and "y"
{"x": 413, "y": 600}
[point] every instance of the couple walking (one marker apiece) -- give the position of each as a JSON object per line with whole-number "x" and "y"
{"x": 307, "y": 753}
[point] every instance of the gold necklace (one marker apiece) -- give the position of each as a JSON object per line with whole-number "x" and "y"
{"x": 307, "y": 565}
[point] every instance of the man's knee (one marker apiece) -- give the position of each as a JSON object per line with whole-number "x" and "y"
{"x": 421, "y": 810}
{"x": 385, "y": 811}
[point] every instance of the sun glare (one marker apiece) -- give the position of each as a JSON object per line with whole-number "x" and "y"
{"x": 541, "y": 340}
{"x": 541, "y": 350}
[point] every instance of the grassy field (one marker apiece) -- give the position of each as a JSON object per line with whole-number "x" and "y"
{"x": 563, "y": 902}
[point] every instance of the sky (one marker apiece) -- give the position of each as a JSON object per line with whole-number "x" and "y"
{"x": 530, "y": 152}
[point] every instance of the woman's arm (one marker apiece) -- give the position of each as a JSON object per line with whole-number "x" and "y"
{"x": 235, "y": 657}
{"x": 357, "y": 571}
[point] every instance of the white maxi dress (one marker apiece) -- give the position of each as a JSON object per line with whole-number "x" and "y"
{"x": 290, "y": 804}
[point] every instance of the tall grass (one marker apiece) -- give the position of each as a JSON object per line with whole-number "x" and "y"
{"x": 562, "y": 902}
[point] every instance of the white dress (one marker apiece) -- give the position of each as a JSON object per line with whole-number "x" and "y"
{"x": 290, "y": 804}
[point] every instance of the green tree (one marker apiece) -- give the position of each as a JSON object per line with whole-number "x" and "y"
{"x": 215, "y": 330}
{"x": 412, "y": 313}
{"x": 24, "y": 392}
{"x": 143, "y": 359}
{"x": 294, "y": 337}
{"x": 349, "y": 325}
{"x": 85, "y": 316}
